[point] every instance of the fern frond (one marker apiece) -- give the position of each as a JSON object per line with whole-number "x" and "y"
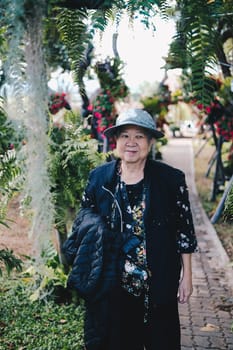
{"x": 70, "y": 165}
{"x": 73, "y": 27}
{"x": 228, "y": 209}
{"x": 9, "y": 170}
{"x": 101, "y": 18}
{"x": 10, "y": 261}
{"x": 145, "y": 10}
{"x": 165, "y": 9}
{"x": 197, "y": 38}
{"x": 202, "y": 60}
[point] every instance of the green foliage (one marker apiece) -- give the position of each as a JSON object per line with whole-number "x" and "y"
{"x": 198, "y": 44}
{"x": 37, "y": 325}
{"x": 201, "y": 61}
{"x": 225, "y": 92}
{"x": 9, "y": 176}
{"x": 46, "y": 281}
{"x": 177, "y": 57}
{"x": 73, "y": 28}
{"x": 154, "y": 105}
{"x": 145, "y": 10}
{"x": 56, "y": 54}
{"x": 9, "y": 167}
{"x": 73, "y": 155}
{"x": 228, "y": 210}
{"x": 12, "y": 22}
{"x": 3, "y": 50}
{"x": 9, "y": 137}
{"x": 113, "y": 88}
{"x": 8, "y": 172}
{"x": 110, "y": 78}
{"x": 77, "y": 26}
{"x": 157, "y": 105}
{"x": 9, "y": 261}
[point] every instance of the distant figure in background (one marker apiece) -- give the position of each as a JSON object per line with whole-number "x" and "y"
{"x": 134, "y": 238}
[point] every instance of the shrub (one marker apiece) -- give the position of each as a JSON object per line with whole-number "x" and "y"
{"x": 37, "y": 325}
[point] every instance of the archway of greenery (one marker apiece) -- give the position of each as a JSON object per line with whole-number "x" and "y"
{"x": 29, "y": 28}
{"x": 38, "y": 37}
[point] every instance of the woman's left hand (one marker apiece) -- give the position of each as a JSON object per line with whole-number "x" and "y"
{"x": 185, "y": 289}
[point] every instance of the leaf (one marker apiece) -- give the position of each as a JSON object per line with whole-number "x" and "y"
{"x": 209, "y": 328}
{"x": 62, "y": 321}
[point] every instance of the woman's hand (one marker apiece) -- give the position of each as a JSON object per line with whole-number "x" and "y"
{"x": 186, "y": 287}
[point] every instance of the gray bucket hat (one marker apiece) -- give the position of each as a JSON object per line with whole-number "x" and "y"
{"x": 137, "y": 117}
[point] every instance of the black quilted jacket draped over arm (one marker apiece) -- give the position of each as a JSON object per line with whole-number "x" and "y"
{"x": 93, "y": 251}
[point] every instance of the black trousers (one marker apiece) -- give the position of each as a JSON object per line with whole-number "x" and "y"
{"x": 126, "y": 329}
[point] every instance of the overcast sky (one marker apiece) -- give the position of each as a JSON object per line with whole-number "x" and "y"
{"x": 140, "y": 49}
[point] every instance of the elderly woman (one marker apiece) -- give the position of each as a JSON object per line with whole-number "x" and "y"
{"x": 142, "y": 207}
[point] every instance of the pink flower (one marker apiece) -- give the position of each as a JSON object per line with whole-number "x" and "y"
{"x": 98, "y": 115}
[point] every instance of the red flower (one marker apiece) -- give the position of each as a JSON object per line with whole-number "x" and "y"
{"x": 57, "y": 102}
{"x": 200, "y": 106}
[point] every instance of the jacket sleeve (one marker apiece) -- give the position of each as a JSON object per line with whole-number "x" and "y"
{"x": 72, "y": 243}
{"x": 186, "y": 238}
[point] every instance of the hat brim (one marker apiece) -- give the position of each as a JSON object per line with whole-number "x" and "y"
{"x": 110, "y": 132}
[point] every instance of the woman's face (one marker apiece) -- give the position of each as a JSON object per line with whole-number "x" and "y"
{"x": 133, "y": 144}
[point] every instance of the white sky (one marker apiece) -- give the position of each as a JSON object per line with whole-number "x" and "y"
{"x": 140, "y": 49}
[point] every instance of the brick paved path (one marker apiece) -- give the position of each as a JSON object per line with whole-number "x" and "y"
{"x": 207, "y": 320}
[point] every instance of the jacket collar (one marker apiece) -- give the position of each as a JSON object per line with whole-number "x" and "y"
{"x": 111, "y": 175}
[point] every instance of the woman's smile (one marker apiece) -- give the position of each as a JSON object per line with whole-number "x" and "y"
{"x": 133, "y": 144}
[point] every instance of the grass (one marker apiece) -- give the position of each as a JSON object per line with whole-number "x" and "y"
{"x": 204, "y": 187}
{"x": 26, "y": 325}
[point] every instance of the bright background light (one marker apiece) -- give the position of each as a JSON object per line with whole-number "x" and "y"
{"x": 141, "y": 49}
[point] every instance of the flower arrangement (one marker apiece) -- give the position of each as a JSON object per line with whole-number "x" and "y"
{"x": 113, "y": 88}
{"x": 57, "y": 101}
{"x": 103, "y": 111}
{"x": 109, "y": 74}
{"x": 220, "y": 111}
{"x": 221, "y": 117}
{"x": 224, "y": 127}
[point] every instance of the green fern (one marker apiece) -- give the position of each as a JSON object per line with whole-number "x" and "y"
{"x": 9, "y": 174}
{"x": 198, "y": 43}
{"x": 73, "y": 155}
{"x": 73, "y": 27}
{"x": 10, "y": 261}
{"x": 78, "y": 26}
{"x": 228, "y": 210}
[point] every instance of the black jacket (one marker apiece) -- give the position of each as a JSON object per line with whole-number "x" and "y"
{"x": 96, "y": 260}
{"x": 167, "y": 219}
{"x": 93, "y": 251}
